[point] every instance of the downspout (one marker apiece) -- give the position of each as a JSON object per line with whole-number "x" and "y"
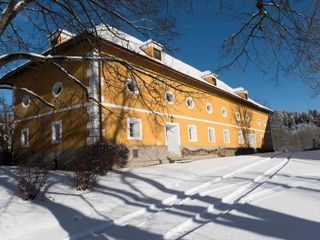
{"x": 100, "y": 101}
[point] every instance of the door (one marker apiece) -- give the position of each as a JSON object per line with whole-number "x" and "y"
{"x": 173, "y": 138}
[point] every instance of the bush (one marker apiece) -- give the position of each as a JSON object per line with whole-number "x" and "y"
{"x": 97, "y": 159}
{"x": 85, "y": 174}
{"x": 30, "y": 180}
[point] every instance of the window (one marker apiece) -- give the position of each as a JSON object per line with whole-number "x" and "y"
{"x": 251, "y": 140}
{"x": 57, "y": 89}
{"x": 132, "y": 86}
{"x": 211, "y": 135}
{"x": 209, "y": 108}
{"x": 157, "y": 54}
{"x": 170, "y": 97}
{"x": 224, "y": 112}
{"x": 192, "y": 133}
{"x": 226, "y": 136}
{"x": 240, "y": 137}
{"x": 247, "y": 118}
{"x": 134, "y": 129}
{"x": 259, "y": 122}
{"x": 25, "y": 101}
{"x": 237, "y": 116}
{"x": 25, "y": 137}
{"x": 56, "y": 132}
{"x": 189, "y": 102}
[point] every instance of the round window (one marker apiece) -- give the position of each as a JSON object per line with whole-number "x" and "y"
{"x": 259, "y": 122}
{"x": 132, "y": 86}
{"x": 189, "y": 102}
{"x": 237, "y": 115}
{"x": 170, "y": 97}
{"x": 57, "y": 89}
{"x": 25, "y": 101}
{"x": 224, "y": 112}
{"x": 247, "y": 118}
{"x": 209, "y": 108}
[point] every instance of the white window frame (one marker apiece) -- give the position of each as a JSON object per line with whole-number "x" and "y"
{"x": 249, "y": 139}
{"x": 195, "y": 132}
{"x": 224, "y": 139}
{"x": 259, "y": 122}
{"x": 56, "y": 141}
{"x": 209, "y": 104}
{"x": 192, "y": 105}
{"x": 135, "y": 120}
{"x": 240, "y": 140}
{"x": 214, "y": 135}
{"x": 165, "y": 97}
{"x": 224, "y": 114}
{"x": 237, "y": 116}
{"x": 29, "y": 100}
{"x": 165, "y": 132}
{"x": 53, "y": 88}
{"x": 129, "y": 80}
{"x": 24, "y": 145}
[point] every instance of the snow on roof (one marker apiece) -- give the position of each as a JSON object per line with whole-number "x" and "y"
{"x": 134, "y": 44}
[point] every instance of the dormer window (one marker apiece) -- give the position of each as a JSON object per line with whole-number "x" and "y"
{"x": 210, "y": 77}
{"x": 241, "y": 92}
{"x": 157, "y": 54}
{"x": 152, "y": 49}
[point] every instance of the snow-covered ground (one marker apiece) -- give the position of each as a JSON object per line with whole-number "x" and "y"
{"x": 265, "y": 196}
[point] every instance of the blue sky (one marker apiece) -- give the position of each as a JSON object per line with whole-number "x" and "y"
{"x": 202, "y": 31}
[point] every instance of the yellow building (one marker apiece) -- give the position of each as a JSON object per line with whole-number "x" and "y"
{"x": 133, "y": 93}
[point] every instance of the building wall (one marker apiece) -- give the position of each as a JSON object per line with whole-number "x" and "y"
{"x": 73, "y": 108}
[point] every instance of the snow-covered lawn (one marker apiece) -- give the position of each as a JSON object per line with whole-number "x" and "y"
{"x": 264, "y": 196}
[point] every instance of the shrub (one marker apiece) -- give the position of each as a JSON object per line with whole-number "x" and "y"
{"x": 85, "y": 174}
{"x": 30, "y": 180}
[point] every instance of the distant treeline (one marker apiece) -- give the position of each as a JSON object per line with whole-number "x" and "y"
{"x": 295, "y": 131}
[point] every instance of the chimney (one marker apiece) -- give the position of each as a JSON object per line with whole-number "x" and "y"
{"x": 241, "y": 92}
{"x": 210, "y": 77}
{"x": 152, "y": 49}
{"x": 59, "y": 36}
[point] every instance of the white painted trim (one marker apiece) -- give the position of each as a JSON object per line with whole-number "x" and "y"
{"x": 214, "y": 134}
{"x": 196, "y": 133}
{"x": 242, "y": 139}
{"x": 21, "y": 139}
{"x": 224, "y": 140}
{"x": 128, "y": 129}
{"x": 110, "y": 105}
{"x": 165, "y": 132}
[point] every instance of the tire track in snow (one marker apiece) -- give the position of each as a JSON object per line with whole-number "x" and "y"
{"x": 231, "y": 200}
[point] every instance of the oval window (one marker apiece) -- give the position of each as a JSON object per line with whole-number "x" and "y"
{"x": 170, "y": 97}
{"x": 25, "y": 101}
{"x": 259, "y": 122}
{"x": 209, "y": 108}
{"x": 132, "y": 86}
{"x": 237, "y": 116}
{"x": 189, "y": 102}
{"x": 224, "y": 112}
{"x": 247, "y": 118}
{"x": 57, "y": 89}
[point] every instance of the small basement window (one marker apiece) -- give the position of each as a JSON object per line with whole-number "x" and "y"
{"x": 157, "y": 54}
{"x": 170, "y": 97}
{"x": 192, "y": 133}
{"x": 132, "y": 86}
{"x": 25, "y": 137}
{"x": 25, "y": 101}
{"x": 56, "y": 132}
{"x": 190, "y": 102}
{"x": 57, "y": 89}
{"x": 134, "y": 129}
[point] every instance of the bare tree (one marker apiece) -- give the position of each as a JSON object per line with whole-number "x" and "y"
{"x": 6, "y": 130}
{"x": 279, "y": 36}
{"x": 243, "y": 119}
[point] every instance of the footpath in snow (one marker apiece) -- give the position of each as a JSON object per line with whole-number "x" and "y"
{"x": 263, "y": 196}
